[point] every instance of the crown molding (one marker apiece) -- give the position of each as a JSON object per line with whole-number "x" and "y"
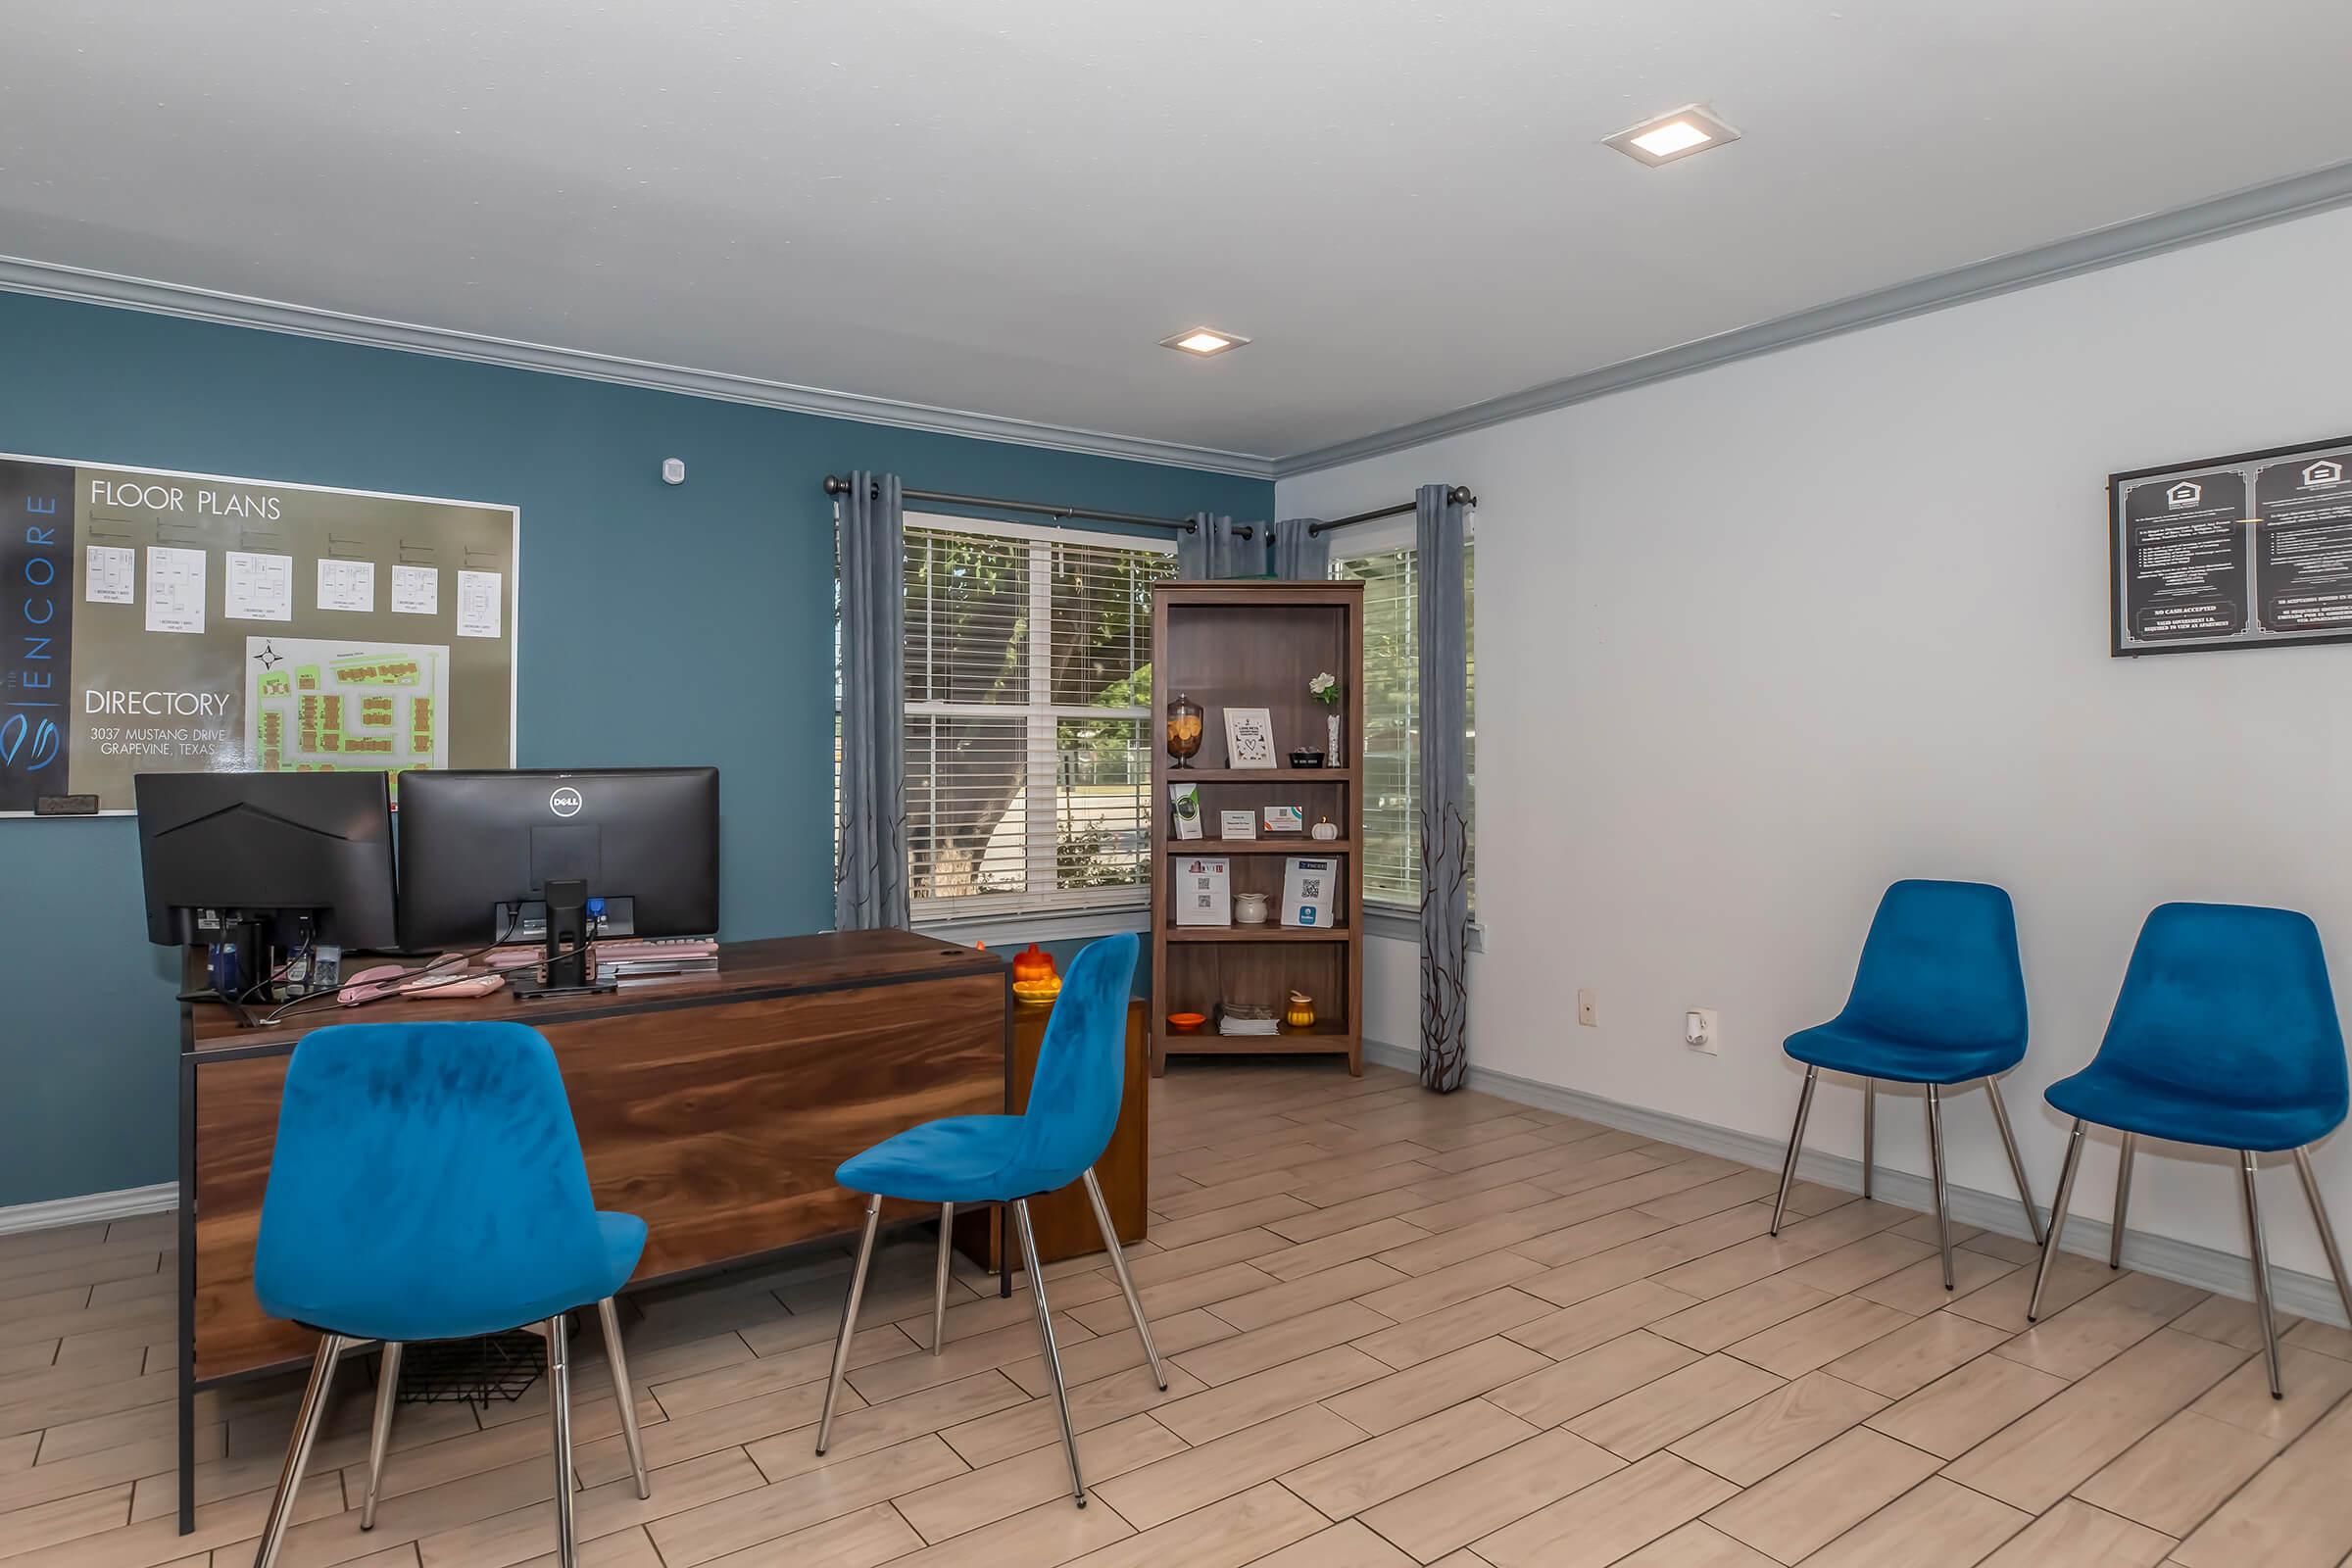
{"x": 2257, "y": 206}
{"x": 24, "y": 276}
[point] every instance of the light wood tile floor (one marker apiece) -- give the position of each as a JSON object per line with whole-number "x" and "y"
{"x": 1400, "y": 1329}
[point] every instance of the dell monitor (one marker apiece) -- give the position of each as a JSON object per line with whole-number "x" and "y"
{"x": 556, "y": 857}
{"x": 242, "y": 862}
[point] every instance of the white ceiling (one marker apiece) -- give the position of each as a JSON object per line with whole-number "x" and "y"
{"x": 1003, "y": 204}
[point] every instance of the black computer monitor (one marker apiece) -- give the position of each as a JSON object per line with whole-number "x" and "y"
{"x": 478, "y": 850}
{"x": 297, "y": 855}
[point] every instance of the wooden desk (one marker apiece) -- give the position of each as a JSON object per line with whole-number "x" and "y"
{"x": 713, "y": 1106}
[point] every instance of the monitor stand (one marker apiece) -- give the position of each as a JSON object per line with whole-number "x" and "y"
{"x": 571, "y": 970}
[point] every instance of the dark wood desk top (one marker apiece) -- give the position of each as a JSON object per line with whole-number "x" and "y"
{"x": 748, "y": 971}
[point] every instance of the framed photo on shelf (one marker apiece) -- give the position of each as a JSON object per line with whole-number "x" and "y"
{"x": 1184, "y": 810}
{"x": 1248, "y": 737}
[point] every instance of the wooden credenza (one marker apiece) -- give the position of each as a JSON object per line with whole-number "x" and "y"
{"x": 713, "y": 1106}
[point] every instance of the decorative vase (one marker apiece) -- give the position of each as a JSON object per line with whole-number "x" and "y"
{"x": 1300, "y": 1013}
{"x": 1250, "y": 909}
{"x": 1184, "y": 728}
{"x": 1331, "y": 752}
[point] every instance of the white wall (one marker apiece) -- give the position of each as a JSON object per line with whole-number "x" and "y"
{"x": 1754, "y": 642}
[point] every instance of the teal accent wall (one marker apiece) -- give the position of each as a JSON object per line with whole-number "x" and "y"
{"x": 658, "y": 624}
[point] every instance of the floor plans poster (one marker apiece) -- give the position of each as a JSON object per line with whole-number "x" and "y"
{"x": 2236, "y": 552}
{"x": 163, "y": 621}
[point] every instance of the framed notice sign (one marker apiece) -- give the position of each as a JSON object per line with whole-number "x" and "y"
{"x": 2248, "y": 551}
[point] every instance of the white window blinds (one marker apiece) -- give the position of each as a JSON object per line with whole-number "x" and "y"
{"x": 1392, "y": 679}
{"x": 1028, "y": 699}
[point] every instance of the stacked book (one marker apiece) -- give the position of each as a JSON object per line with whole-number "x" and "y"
{"x": 1242, "y": 1018}
{"x": 628, "y": 961}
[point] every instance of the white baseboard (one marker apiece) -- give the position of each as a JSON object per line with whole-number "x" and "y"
{"x": 2208, "y": 1268}
{"x": 89, "y": 1206}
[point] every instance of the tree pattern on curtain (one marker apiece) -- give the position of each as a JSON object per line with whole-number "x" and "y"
{"x": 869, "y": 873}
{"x": 1442, "y": 625}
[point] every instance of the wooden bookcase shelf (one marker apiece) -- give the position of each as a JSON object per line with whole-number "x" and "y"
{"x": 1256, "y": 644}
{"x": 1288, "y": 844}
{"x": 1257, "y": 933}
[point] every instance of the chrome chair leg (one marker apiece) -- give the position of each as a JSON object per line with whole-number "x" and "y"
{"x": 379, "y": 1437}
{"x": 298, "y": 1448}
{"x": 1870, "y": 1131}
{"x": 2123, "y": 1201}
{"x": 1796, "y": 1139}
{"x": 609, "y": 1315}
{"x": 849, "y": 1319}
{"x": 2319, "y": 1215}
{"x": 2050, "y": 1242}
{"x": 2262, "y": 1270}
{"x": 2017, "y": 1166}
{"x": 1045, "y": 1331}
{"x": 1119, "y": 1265}
{"x": 559, "y": 1405}
{"x": 939, "y": 1293}
{"x": 1944, "y": 1208}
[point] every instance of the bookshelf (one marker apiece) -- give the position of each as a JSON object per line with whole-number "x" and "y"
{"x": 1256, "y": 643}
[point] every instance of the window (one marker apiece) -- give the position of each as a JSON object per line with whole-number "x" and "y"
{"x": 1384, "y": 562}
{"x": 1028, "y": 715}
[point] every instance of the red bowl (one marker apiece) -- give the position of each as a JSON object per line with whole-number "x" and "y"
{"x": 1186, "y": 1023}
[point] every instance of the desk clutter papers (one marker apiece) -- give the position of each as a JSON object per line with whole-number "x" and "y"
{"x": 1307, "y": 885}
{"x": 624, "y": 958}
{"x": 1204, "y": 891}
{"x": 1243, "y": 1019}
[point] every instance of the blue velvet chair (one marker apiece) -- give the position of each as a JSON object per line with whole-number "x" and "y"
{"x": 1938, "y": 999}
{"x": 428, "y": 1185}
{"x": 1073, "y": 1108}
{"x": 2225, "y": 1035}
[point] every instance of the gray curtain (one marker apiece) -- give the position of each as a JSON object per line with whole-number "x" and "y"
{"x": 1439, "y": 529}
{"x": 1216, "y": 548}
{"x": 869, "y": 879}
{"x": 1301, "y": 556}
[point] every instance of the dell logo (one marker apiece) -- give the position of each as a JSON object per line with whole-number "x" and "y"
{"x": 566, "y": 802}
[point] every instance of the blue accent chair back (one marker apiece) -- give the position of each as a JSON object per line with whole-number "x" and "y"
{"x": 2225, "y": 1035}
{"x": 2227, "y": 1027}
{"x": 1941, "y": 967}
{"x": 1938, "y": 999}
{"x": 428, "y": 1185}
{"x": 1073, "y": 1111}
{"x": 1081, "y": 1065}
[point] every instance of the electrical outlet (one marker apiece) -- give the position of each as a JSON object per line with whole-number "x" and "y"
{"x": 1585, "y": 1012}
{"x": 1702, "y": 1031}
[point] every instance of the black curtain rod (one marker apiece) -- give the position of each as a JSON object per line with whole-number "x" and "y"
{"x": 1460, "y": 496}
{"x": 836, "y": 485}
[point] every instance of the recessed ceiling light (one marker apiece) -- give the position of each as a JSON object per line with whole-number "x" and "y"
{"x": 1692, "y": 129}
{"x": 1203, "y": 341}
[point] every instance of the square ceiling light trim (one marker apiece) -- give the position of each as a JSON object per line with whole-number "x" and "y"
{"x": 1200, "y": 342}
{"x": 1667, "y": 138}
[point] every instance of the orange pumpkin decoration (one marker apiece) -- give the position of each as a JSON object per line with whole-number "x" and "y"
{"x": 1035, "y": 964}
